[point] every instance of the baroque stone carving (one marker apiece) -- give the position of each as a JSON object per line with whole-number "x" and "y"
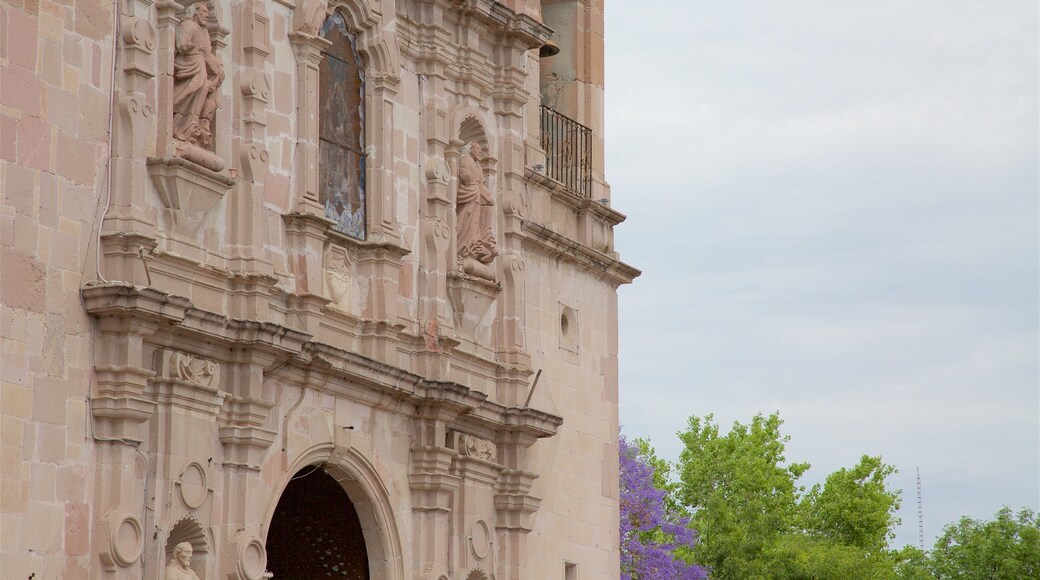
{"x": 197, "y": 74}
{"x": 472, "y": 446}
{"x": 179, "y": 567}
{"x": 337, "y": 278}
{"x": 476, "y": 246}
{"x": 194, "y": 369}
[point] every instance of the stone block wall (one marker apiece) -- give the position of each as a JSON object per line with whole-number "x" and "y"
{"x": 55, "y": 74}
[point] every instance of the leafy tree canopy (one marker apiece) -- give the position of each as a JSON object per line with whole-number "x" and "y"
{"x": 756, "y": 521}
{"x": 1007, "y": 547}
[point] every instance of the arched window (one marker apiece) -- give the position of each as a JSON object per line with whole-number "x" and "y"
{"x": 341, "y": 129}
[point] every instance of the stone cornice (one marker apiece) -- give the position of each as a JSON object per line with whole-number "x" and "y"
{"x": 500, "y": 20}
{"x": 566, "y": 249}
{"x": 118, "y": 299}
{"x": 314, "y": 363}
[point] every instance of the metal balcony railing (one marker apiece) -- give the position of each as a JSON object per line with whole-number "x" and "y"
{"x": 568, "y": 151}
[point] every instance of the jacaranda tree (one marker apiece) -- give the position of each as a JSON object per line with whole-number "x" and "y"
{"x": 650, "y": 534}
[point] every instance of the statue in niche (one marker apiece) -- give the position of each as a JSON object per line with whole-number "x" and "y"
{"x": 179, "y": 567}
{"x": 197, "y": 73}
{"x": 474, "y": 207}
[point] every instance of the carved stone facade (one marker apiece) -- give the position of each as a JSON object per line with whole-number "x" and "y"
{"x": 189, "y": 329}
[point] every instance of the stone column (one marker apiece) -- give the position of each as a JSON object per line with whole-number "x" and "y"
{"x": 245, "y": 226}
{"x": 514, "y": 505}
{"x": 306, "y": 226}
{"x": 433, "y": 489}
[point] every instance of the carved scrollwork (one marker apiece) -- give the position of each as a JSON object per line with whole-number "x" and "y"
{"x": 256, "y": 85}
{"x": 254, "y": 162}
{"x": 437, "y": 170}
{"x": 472, "y": 446}
{"x": 138, "y": 33}
{"x": 194, "y": 369}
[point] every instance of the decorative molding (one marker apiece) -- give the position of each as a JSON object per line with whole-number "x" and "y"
{"x": 562, "y": 247}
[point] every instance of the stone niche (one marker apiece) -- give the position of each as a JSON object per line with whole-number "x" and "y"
{"x": 473, "y": 287}
{"x": 187, "y": 532}
{"x": 190, "y": 172}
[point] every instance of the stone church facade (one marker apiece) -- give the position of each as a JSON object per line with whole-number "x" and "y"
{"x": 310, "y": 288}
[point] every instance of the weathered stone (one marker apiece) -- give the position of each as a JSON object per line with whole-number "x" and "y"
{"x": 185, "y": 337}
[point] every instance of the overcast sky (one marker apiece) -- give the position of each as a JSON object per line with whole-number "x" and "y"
{"x": 835, "y": 208}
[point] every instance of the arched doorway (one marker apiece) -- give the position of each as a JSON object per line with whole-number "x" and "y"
{"x": 315, "y": 531}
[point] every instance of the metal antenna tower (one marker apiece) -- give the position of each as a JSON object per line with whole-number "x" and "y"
{"x": 920, "y": 513}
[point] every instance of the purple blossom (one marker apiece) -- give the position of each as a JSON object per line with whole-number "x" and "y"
{"x": 649, "y": 535}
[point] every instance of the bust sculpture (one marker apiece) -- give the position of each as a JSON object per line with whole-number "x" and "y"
{"x": 197, "y": 73}
{"x": 474, "y": 205}
{"x": 179, "y": 566}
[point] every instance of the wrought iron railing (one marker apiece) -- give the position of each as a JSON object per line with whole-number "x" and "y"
{"x": 568, "y": 151}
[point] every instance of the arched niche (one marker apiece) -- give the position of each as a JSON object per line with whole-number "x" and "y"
{"x": 188, "y": 529}
{"x": 369, "y": 497}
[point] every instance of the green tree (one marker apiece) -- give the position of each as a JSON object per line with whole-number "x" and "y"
{"x": 912, "y": 564}
{"x": 1007, "y": 547}
{"x": 756, "y": 521}
{"x": 854, "y": 507}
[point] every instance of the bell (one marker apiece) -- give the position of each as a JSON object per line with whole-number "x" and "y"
{"x": 550, "y": 48}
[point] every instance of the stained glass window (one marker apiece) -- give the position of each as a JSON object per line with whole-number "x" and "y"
{"x": 341, "y": 111}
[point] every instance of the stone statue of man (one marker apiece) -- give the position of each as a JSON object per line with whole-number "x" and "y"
{"x": 197, "y": 73}
{"x": 474, "y": 207}
{"x": 179, "y": 567}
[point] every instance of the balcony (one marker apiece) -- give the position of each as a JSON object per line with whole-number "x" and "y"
{"x": 568, "y": 151}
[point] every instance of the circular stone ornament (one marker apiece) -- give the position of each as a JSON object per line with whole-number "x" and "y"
{"x": 480, "y": 539}
{"x": 192, "y": 485}
{"x": 252, "y": 559}
{"x": 126, "y": 538}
